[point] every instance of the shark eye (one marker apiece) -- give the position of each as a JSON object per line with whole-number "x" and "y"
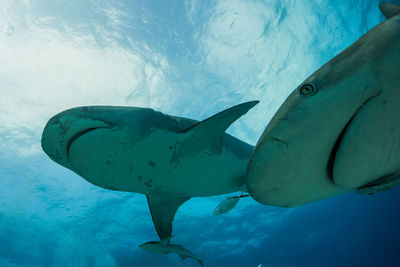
{"x": 307, "y": 89}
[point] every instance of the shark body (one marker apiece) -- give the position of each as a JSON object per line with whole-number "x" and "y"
{"x": 339, "y": 130}
{"x": 167, "y": 158}
{"x": 164, "y": 247}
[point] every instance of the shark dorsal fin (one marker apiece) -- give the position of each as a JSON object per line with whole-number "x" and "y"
{"x": 217, "y": 124}
{"x": 208, "y": 133}
{"x": 389, "y": 9}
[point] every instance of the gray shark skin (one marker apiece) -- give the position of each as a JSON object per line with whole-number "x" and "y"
{"x": 164, "y": 247}
{"x": 339, "y": 130}
{"x": 167, "y": 158}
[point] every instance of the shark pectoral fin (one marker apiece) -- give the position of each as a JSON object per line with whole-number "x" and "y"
{"x": 215, "y": 126}
{"x": 163, "y": 208}
{"x": 389, "y": 10}
{"x": 381, "y": 184}
{"x": 166, "y": 240}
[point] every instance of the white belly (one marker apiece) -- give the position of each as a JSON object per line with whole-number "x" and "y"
{"x": 114, "y": 159}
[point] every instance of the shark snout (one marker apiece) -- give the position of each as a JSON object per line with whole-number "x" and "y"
{"x": 60, "y": 132}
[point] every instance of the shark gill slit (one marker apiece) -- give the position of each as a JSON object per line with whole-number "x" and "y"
{"x": 79, "y": 134}
{"x": 332, "y": 156}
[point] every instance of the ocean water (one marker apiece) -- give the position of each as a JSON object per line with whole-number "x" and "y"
{"x": 184, "y": 58}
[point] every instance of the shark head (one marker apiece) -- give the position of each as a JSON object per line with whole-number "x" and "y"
{"x": 338, "y": 130}
{"x": 75, "y": 137}
{"x": 64, "y": 128}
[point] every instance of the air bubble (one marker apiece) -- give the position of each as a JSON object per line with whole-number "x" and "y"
{"x": 9, "y": 30}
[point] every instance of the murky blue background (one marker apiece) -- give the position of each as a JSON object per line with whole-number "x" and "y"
{"x": 184, "y": 58}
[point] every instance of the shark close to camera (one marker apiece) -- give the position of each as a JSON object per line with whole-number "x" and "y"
{"x": 340, "y": 129}
{"x": 169, "y": 159}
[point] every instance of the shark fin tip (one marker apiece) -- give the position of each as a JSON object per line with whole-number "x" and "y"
{"x": 389, "y": 9}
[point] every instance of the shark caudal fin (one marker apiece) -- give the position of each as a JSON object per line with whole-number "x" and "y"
{"x": 163, "y": 208}
{"x": 389, "y": 9}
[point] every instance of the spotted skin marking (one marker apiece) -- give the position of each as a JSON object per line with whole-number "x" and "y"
{"x": 149, "y": 183}
{"x": 152, "y": 164}
{"x": 110, "y": 162}
{"x": 131, "y": 167}
{"x": 64, "y": 127}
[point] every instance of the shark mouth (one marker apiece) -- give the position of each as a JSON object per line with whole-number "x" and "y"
{"x": 79, "y": 134}
{"x": 336, "y": 146}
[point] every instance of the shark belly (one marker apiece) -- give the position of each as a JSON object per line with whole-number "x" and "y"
{"x": 114, "y": 159}
{"x": 107, "y": 162}
{"x": 209, "y": 174}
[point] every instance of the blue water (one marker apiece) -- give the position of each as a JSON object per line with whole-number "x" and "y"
{"x": 185, "y": 58}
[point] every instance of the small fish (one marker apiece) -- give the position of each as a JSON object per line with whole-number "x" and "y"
{"x": 9, "y": 30}
{"x": 226, "y": 205}
{"x": 164, "y": 247}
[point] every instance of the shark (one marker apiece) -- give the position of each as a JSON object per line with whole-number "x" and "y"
{"x": 164, "y": 247}
{"x": 339, "y": 130}
{"x": 167, "y": 158}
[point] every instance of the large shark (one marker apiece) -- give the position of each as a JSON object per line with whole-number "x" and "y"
{"x": 340, "y": 129}
{"x": 167, "y": 158}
